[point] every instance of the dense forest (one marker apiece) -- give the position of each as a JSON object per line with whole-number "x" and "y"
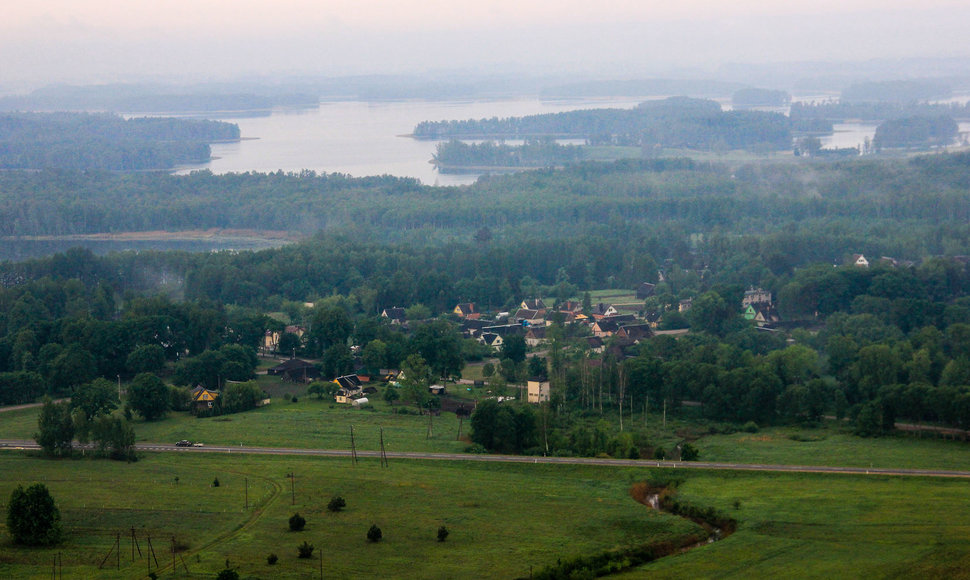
{"x": 86, "y": 141}
{"x": 454, "y": 155}
{"x": 698, "y": 197}
{"x": 675, "y": 122}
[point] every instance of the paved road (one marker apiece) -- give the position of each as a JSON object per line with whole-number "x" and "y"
{"x": 9, "y": 444}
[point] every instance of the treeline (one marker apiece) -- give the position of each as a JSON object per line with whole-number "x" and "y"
{"x": 129, "y": 98}
{"x": 803, "y": 114}
{"x": 647, "y": 193}
{"x": 84, "y": 141}
{"x": 677, "y": 122}
{"x": 533, "y": 153}
{"x": 921, "y": 132}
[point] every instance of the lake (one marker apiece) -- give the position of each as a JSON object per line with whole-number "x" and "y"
{"x": 361, "y": 138}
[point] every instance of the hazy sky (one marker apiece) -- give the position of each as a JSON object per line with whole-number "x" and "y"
{"x": 45, "y": 41}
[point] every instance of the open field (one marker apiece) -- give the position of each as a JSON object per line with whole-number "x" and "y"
{"x": 810, "y": 526}
{"x": 502, "y": 519}
{"x": 833, "y": 446}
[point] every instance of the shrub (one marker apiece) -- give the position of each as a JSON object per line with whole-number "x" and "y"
{"x": 297, "y": 523}
{"x": 442, "y": 533}
{"x": 271, "y": 559}
{"x": 659, "y": 453}
{"x": 305, "y": 550}
{"x": 228, "y": 574}
{"x": 215, "y": 482}
{"x": 32, "y": 517}
{"x": 689, "y": 453}
{"x": 336, "y": 504}
{"x": 374, "y": 534}
{"x": 750, "y": 427}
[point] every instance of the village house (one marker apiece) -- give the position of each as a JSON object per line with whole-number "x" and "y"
{"x": 203, "y": 398}
{"x": 860, "y": 261}
{"x": 634, "y": 332}
{"x": 535, "y": 336}
{"x": 350, "y": 388}
{"x": 530, "y": 317}
{"x": 295, "y": 370}
{"x": 395, "y": 315}
{"x": 467, "y": 310}
{"x": 536, "y": 304}
{"x": 645, "y": 290}
{"x": 538, "y": 390}
{"x": 755, "y": 296}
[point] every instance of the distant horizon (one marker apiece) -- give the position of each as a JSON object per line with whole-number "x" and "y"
{"x": 188, "y": 41}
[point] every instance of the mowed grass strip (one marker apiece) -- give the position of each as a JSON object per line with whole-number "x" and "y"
{"x": 833, "y": 445}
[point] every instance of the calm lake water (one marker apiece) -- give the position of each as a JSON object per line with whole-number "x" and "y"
{"x": 370, "y": 138}
{"x": 360, "y": 138}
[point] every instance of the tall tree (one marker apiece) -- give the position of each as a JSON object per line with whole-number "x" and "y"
{"x": 149, "y": 396}
{"x": 32, "y": 516}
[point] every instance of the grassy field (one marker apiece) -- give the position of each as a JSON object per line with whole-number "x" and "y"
{"x": 833, "y": 445}
{"x": 502, "y": 519}
{"x": 812, "y": 526}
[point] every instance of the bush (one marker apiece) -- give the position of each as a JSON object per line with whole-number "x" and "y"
{"x": 659, "y": 453}
{"x": 228, "y": 574}
{"x": 32, "y": 517}
{"x": 215, "y": 482}
{"x": 689, "y": 453}
{"x": 297, "y": 523}
{"x": 750, "y": 427}
{"x": 336, "y": 504}
{"x": 475, "y": 448}
{"x": 374, "y": 534}
{"x": 305, "y": 550}
{"x": 442, "y": 533}
{"x": 271, "y": 559}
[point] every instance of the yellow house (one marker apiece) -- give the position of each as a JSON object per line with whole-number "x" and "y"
{"x": 538, "y": 390}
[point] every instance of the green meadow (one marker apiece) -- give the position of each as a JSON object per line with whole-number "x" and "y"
{"x": 503, "y": 519}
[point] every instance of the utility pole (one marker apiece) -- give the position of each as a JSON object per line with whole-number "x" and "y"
{"x": 292, "y": 489}
{"x": 383, "y": 457}
{"x": 353, "y": 445}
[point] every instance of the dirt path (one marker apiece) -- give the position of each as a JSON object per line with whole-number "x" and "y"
{"x": 29, "y": 405}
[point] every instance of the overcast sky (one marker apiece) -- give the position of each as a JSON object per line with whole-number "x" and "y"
{"x": 82, "y": 41}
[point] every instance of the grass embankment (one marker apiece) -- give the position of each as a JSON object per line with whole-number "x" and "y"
{"x": 823, "y": 526}
{"x": 502, "y": 519}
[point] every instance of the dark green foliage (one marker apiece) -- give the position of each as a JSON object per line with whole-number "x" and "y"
{"x": 228, "y": 574}
{"x": 215, "y": 482}
{"x": 98, "y": 397}
{"x": 504, "y": 427}
{"x": 916, "y": 132}
{"x": 55, "y": 426}
{"x": 148, "y": 358}
{"x": 272, "y": 559}
{"x": 673, "y": 122}
{"x": 336, "y": 504}
{"x": 32, "y": 517}
{"x": 305, "y": 550}
{"x": 688, "y": 452}
{"x": 20, "y": 387}
{"x": 442, "y": 534}
{"x": 103, "y": 141}
{"x": 149, "y": 396}
{"x": 450, "y": 155}
{"x": 374, "y": 534}
{"x": 297, "y": 523}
